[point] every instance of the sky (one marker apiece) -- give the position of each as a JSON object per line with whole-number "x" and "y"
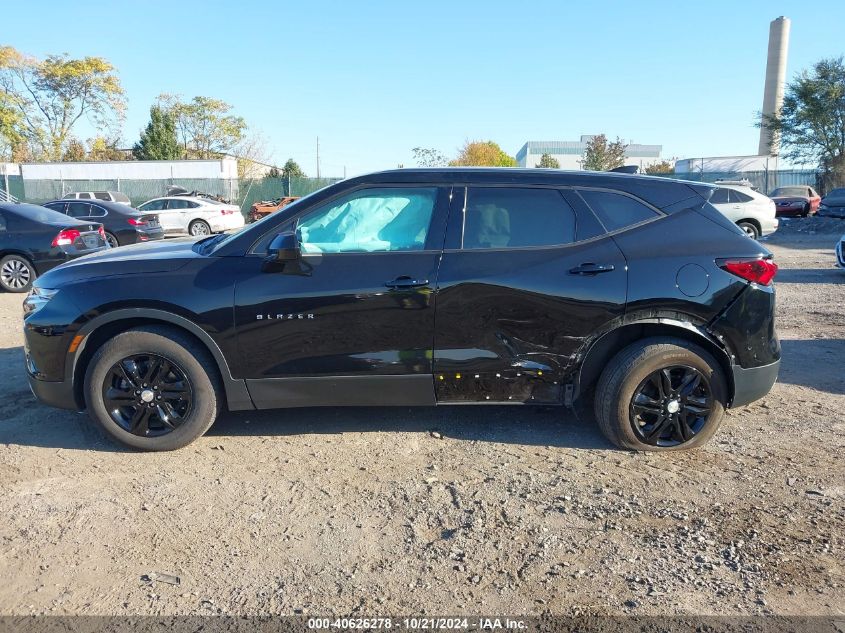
{"x": 375, "y": 79}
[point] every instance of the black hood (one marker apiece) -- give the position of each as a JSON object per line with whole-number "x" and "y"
{"x": 150, "y": 257}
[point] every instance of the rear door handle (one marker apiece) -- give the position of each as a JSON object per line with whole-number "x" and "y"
{"x": 590, "y": 268}
{"x": 406, "y": 282}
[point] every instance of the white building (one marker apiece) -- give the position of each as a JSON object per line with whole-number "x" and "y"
{"x": 570, "y": 154}
{"x": 726, "y": 164}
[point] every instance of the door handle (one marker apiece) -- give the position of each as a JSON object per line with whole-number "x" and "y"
{"x": 590, "y": 268}
{"x": 406, "y": 282}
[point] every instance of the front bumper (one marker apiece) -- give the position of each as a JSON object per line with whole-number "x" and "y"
{"x": 55, "y": 394}
{"x": 752, "y": 384}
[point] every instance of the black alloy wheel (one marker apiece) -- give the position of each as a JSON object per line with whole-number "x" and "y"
{"x": 147, "y": 395}
{"x": 671, "y": 406}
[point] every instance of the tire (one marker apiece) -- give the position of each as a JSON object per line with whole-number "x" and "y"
{"x": 627, "y": 379}
{"x": 750, "y": 229}
{"x": 806, "y": 211}
{"x": 191, "y": 415}
{"x": 199, "y": 228}
{"x": 16, "y": 273}
{"x": 112, "y": 240}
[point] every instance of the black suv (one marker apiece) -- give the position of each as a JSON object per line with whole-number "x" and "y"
{"x": 422, "y": 287}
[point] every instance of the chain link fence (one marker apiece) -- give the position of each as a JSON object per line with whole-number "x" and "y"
{"x": 243, "y": 192}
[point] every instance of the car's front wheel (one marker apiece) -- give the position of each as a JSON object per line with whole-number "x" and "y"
{"x": 16, "y": 273}
{"x": 199, "y": 228}
{"x": 153, "y": 388}
{"x": 661, "y": 394}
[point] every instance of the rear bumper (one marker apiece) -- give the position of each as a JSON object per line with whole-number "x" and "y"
{"x": 768, "y": 226}
{"x": 752, "y": 384}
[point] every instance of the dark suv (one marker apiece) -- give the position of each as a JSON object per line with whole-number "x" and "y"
{"x": 422, "y": 287}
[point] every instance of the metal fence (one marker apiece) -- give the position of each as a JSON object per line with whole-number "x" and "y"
{"x": 764, "y": 181}
{"x": 243, "y": 192}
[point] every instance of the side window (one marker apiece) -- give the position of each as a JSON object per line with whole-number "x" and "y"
{"x": 78, "y": 209}
{"x": 738, "y": 196}
{"x": 97, "y": 212}
{"x": 56, "y": 206}
{"x": 720, "y": 196}
{"x": 370, "y": 220}
{"x": 504, "y": 217}
{"x": 102, "y": 195}
{"x": 84, "y": 196}
{"x": 616, "y": 211}
{"x": 152, "y": 205}
{"x": 178, "y": 204}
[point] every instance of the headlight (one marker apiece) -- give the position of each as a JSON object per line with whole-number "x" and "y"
{"x": 37, "y": 299}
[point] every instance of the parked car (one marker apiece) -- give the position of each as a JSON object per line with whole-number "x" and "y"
{"x": 34, "y": 239}
{"x": 423, "y": 287}
{"x": 750, "y": 210}
{"x": 105, "y": 196}
{"x": 194, "y": 215}
{"x": 801, "y": 200}
{"x": 840, "y": 252}
{"x": 266, "y": 207}
{"x": 123, "y": 225}
{"x": 833, "y": 204}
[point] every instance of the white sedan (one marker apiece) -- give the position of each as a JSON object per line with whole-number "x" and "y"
{"x": 750, "y": 210}
{"x": 194, "y": 215}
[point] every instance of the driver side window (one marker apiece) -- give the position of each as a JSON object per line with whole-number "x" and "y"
{"x": 370, "y": 220}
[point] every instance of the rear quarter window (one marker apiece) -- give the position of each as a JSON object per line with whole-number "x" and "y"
{"x": 615, "y": 210}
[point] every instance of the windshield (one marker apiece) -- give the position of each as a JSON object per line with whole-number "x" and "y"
{"x": 257, "y": 227}
{"x": 790, "y": 191}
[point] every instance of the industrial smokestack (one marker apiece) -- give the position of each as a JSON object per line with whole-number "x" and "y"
{"x": 775, "y": 80}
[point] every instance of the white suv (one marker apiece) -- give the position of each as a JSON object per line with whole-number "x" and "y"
{"x": 109, "y": 196}
{"x": 753, "y": 212}
{"x": 194, "y": 215}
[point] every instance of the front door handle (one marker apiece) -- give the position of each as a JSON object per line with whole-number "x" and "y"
{"x": 406, "y": 282}
{"x": 590, "y": 268}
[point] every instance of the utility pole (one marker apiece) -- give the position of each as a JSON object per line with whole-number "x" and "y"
{"x": 318, "y": 157}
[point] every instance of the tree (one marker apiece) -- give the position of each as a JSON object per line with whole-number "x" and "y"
{"x": 204, "y": 126}
{"x": 292, "y": 169}
{"x": 105, "y": 149}
{"x": 274, "y": 172}
{"x": 427, "y": 157}
{"x": 549, "y": 162}
{"x": 74, "y": 151}
{"x": 158, "y": 141}
{"x": 482, "y": 154}
{"x": 253, "y": 156}
{"x": 811, "y": 124}
{"x": 603, "y": 156}
{"x": 663, "y": 167}
{"x": 52, "y": 95}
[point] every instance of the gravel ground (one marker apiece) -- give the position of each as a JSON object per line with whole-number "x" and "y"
{"x": 501, "y": 510}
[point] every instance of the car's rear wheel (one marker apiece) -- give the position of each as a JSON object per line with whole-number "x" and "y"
{"x": 750, "y": 229}
{"x": 111, "y": 239}
{"x": 153, "y": 388}
{"x": 661, "y": 394}
{"x": 16, "y": 273}
{"x": 806, "y": 211}
{"x": 199, "y": 228}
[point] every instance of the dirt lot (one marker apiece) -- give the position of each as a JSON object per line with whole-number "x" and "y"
{"x": 518, "y": 511}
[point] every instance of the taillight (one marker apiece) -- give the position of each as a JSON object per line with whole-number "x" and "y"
{"x": 102, "y": 232}
{"x": 66, "y": 237}
{"x": 759, "y": 271}
{"x": 136, "y": 222}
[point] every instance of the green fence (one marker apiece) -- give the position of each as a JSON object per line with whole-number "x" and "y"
{"x": 764, "y": 181}
{"x": 242, "y": 192}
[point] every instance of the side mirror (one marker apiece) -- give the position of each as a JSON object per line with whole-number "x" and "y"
{"x": 284, "y": 248}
